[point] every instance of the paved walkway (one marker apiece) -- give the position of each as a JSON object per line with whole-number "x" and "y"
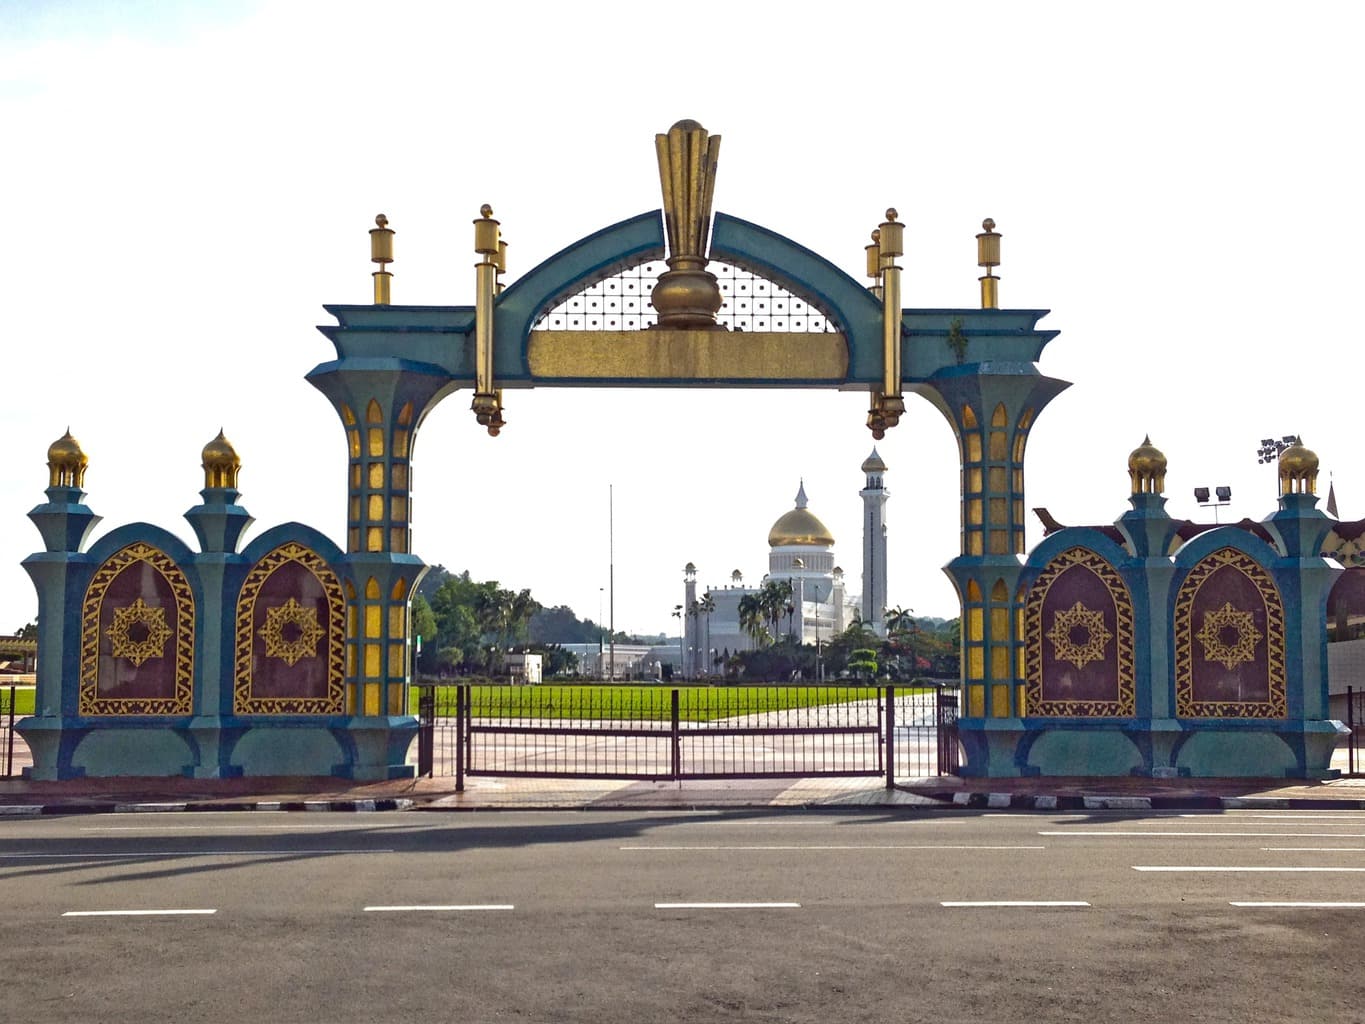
{"x": 23, "y": 797}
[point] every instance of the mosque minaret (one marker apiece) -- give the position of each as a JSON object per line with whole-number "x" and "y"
{"x": 874, "y": 497}
{"x": 800, "y": 552}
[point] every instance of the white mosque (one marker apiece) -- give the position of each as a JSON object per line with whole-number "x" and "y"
{"x": 801, "y": 551}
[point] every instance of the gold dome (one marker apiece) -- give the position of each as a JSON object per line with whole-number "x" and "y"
{"x": 221, "y": 463}
{"x": 800, "y": 527}
{"x": 66, "y": 462}
{"x": 1147, "y": 468}
{"x": 1298, "y": 469}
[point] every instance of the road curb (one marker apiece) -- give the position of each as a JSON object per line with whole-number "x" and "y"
{"x": 160, "y": 807}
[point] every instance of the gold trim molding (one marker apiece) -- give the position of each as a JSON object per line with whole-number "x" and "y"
{"x": 689, "y": 355}
{"x": 182, "y": 702}
{"x": 243, "y": 703}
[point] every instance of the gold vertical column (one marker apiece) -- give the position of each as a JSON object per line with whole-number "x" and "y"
{"x": 381, "y": 253}
{"x": 487, "y": 409}
{"x": 888, "y": 405}
{"x": 988, "y": 256}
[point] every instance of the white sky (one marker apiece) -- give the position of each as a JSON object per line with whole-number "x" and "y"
{"x": 186, "y": 185}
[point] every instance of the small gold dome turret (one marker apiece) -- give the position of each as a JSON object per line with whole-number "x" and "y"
{"x": 873, "y": 463}
{"x": 1298, "y": 470}
{"x": 1147, "y": 468}
{"x": 66, "y": 462}
{"x": 221, "y": 463}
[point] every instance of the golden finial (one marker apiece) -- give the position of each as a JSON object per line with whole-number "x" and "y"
{"x": 874, "y": 256}
{"x": 1298, "y": 469}
{"x": 1147, "y": 468}
{"x": 220, "y": 463}
{"x": 486, "y": 234}
{"x": 891, "y": 237}
{"x": 988, "y": 256}
{"x": 66, "y": 462}
{"x": 687, "y": 295}
{"x": 381, "y": 252}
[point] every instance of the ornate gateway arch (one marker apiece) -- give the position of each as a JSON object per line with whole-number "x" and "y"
{"x": 291, "y": 655}
{"x": 679, "y": 298}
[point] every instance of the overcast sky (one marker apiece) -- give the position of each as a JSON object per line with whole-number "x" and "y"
{"x": 187, "y": 184}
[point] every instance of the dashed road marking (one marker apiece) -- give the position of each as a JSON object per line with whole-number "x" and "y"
{"x": 416, "y": 907}
{"x": 1224, "y": 868}
{"x": 1013, "y": 903}
{"x": 134, "y": 913}
{"x": 726, "y": 906}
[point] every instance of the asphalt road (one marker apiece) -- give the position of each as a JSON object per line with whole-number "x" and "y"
{"x": 757, "y": 916}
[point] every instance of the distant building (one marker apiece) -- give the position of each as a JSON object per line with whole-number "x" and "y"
{"x": 801, "y": 552}
{"x": 523, "y": 668}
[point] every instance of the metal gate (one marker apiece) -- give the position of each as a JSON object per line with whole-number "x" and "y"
{"x": 1355, "y": 722}
{"x": 661, "y": 733}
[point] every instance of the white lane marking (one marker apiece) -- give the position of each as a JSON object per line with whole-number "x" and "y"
{"x": 135, "y": 854}
{"x": 1299, "y": 904}
{"x": 1013, "y": 903}
{"x": 1227, "y": 868}
{"x": 132, "y": 913}
{"x": 1209, "y": 835}
{"x": 726, "y": 906}
{"x": 731, "y": 849}
{"x": 240, "y": 828}
{"x": 1313, "y": 849}
{"x": 1277, "y": 816}
{"x": 442, "y": 907}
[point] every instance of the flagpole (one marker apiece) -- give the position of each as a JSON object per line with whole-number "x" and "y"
{"x": 611, "y": 579}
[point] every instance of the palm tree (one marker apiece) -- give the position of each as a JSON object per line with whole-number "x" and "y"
{"x": 708, "y": 605}
{"x": 751, "y": 615}
{"x": 694, "y": 613}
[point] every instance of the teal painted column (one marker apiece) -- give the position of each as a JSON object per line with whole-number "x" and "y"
{"x": 218, "y": 524}
{"x": 64, "y": 522}
{"x": 381, "y": 404}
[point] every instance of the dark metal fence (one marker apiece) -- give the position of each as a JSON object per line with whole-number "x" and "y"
{"x": 1355, "y": 721}
{"x": 8, "y": 737}
{"x": 672, "y": 733}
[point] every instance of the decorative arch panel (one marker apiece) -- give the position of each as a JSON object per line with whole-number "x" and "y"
{"x": 290, "y": 636}
{"x": 1078, "y": 627}
{"x": 137, "y": 637}
{"x": 1229, "y": 640}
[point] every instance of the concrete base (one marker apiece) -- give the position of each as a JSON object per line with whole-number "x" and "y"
{"x": 211, "y": 747}
{"x": 1156, "y": 748}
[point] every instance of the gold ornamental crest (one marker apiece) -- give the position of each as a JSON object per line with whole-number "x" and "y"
{"x": 138, "y": 632}
{"x": 1063, "y": 634}
{"x": 291, "y": 632}
{"x": 1216, "y": 648}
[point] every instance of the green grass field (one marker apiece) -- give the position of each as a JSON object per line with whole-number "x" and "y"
{"x": 627, "y": 702}
{"x": 641, "y": 702}
{"x": 23, "y": 701}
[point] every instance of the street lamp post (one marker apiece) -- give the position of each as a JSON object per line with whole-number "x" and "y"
{"x": 1222, "y": 494}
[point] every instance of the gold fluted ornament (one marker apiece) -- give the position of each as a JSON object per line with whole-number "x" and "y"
{"x": 381, "y": 252}
{"x": 687, "y": 295}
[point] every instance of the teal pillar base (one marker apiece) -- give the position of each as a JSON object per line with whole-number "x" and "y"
{"x": 50, "y": 740}
{"x": 378, "y": 746}
{"x": 214, "y": 741}
{"x": 1152, "y": 748}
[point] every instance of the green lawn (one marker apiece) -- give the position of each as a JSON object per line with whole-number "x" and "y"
{"x": 23, "y": 701}
{"x": 641, "y": 702}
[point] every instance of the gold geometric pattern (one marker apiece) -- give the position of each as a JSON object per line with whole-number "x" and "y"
{"x": 244, "y": 701}
{"x": 90, "y": 702}
{"x": 1186, "y": 706}
{"x": 291, "y": 632}
{"x": 1211, "y": 636}
{"x": 1124, "y": 704}
{"x": 153, "y": 632}
{"x": 1064, "y": 625}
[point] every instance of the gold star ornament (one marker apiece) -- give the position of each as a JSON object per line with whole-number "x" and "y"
{"x": 1229, "y": 636}
{"x": 1078, "y": 635}
{"x": 291, "y": 632}
{"x": 138, "y": 632}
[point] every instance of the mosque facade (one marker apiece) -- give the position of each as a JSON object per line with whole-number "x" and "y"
{"x": 801, "y": 554}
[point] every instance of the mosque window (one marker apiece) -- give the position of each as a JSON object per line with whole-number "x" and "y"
{"x": 1000, "y": 418}
{"x": 405, "y": 415}
{"x": 968, "y": 417}
{"x": 377, "y": 475}
{"x": 373, "y": 413}
{"x": 376, "y": 442}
